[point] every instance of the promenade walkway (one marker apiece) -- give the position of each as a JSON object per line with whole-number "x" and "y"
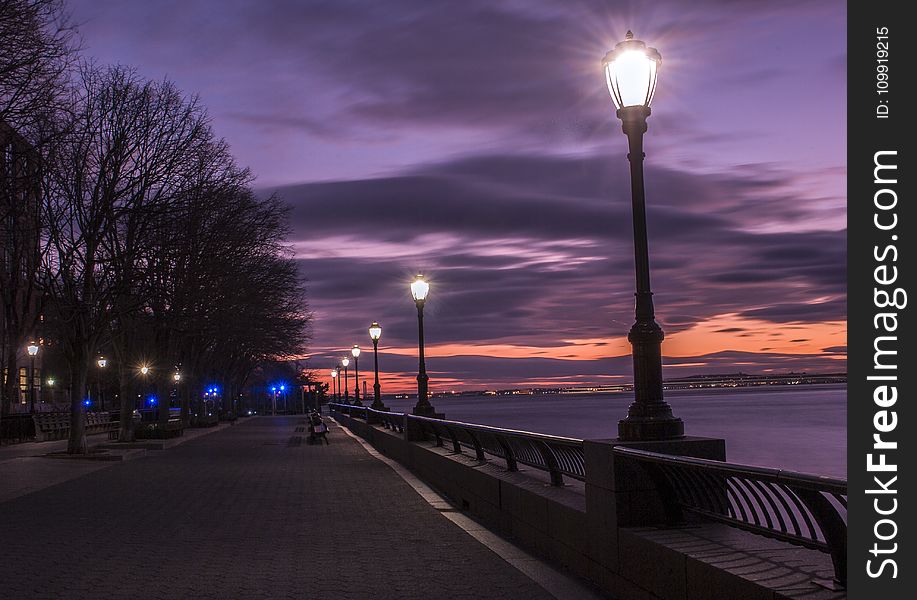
{"x": 251, "y": 511}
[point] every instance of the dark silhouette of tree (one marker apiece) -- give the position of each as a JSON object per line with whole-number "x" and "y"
{"x": 36, "y": 51}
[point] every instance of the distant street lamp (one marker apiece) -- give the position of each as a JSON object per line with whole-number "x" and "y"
{"x": 355, "y": 351}
{"x": 32, "y": 349}
{"x": 630, "y": 72}
{"x": 102, "y": 362}
{"x": 177, "y": 377}
{"x": 334, "y": 384}
{"x": 419, "y": 290}
{"x": 145, "y": 370}
{"x": 344, "y": 362}
{"x": 375, "y": 332}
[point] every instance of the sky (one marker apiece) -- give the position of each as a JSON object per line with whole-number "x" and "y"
{"x": 476, "y": 142}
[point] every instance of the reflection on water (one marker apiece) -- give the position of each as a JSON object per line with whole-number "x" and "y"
{"x": 801, "y": 428}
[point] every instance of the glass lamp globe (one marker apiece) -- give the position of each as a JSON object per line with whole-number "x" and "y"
{"x": 32, "y": 348}
{"x": 375, "y": 331}
{"x": 630, "y": 73}
{"x": 345, "y": 361}
{"x": 355, "y": 351}
{"x": 334, "y": 373}
{"x": 102, "y": 362}
{"x": 419, "y": 289}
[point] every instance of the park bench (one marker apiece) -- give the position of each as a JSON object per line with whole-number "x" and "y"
{"x": 152, "y": 428}
{"x": 56, "y": 425}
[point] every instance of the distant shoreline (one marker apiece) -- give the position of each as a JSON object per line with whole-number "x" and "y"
{"x": 720, "y": 381}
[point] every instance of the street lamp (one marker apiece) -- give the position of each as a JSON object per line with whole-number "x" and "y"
{"x": 334, "y": 384}
{"x": 419, "y": 290}
{"x": 375, "y": 332}
{"x": 145, "y": 370}
{"x": 344, "y": 362}
{"x": 355, "y": 351}
{"x": 32, "y": 349}
{"x": 630, "y": 72}
{"x": 176, "y": 377}
{"x": 102, "y": 362}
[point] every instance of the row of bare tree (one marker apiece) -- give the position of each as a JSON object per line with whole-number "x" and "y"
{"x": 150, "y": 241}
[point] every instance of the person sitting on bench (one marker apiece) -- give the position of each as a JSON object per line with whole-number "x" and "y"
{"x": 317, "y": 429}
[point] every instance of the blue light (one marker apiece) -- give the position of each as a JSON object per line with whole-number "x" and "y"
{"x": 273, "y": 388}
{"x": 283, "y": 387}
{"x": 151, "y": 400}
{"x": 87, "y": 402}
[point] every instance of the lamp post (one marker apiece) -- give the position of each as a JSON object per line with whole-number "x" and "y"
{"x": 102, "y": 362}
{"x": 375, "y": 333}
{"x": 344, "y": 362}
{"x": 145, "y": 371}
{"x": 355, "y": 351}
{"x": 334, "y": 384}
{"x": 32, "y": 349}
{"x": 630, "y": 72}
{"x": 419, "y": 290}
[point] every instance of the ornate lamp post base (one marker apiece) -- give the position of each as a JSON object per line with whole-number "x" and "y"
{"x": 649, "y": 429}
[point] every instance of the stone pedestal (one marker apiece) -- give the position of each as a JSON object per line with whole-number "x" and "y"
{"x": 620, "y": 494}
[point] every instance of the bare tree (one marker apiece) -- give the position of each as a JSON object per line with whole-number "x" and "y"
{"x": 36, "y": 50}
{"x": 121, "y": 163}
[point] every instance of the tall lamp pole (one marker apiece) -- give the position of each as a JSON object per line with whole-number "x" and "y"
{"x": 419, "y": 290}
{"x": 630, "y": 72}
{"x": 344, "y": 363}
{"x": 334, "y": 384}
{"x": 102, "y": 362}
{"x": 355, "y": 351}
{"x": 375, "y": 333}
{"x": 32, "y": 348}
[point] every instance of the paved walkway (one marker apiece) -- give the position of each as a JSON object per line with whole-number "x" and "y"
{"x": 248, "y": 512}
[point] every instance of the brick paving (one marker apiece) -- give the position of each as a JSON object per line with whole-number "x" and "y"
{"x": 248, "y": 512}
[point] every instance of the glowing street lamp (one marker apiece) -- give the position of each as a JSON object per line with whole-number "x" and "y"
{"x": 375, "y": 332}
{"x": 419, "y": 290}
{"x": 176, "y": 377}
{"x": 145, "y": 371}
{"x": 344, "y": 362}
{"x": 355, "y": 352}
{"x": 630, "y": 72}
{"x": 102, "y": 363}
{"x": 32, "y": 349}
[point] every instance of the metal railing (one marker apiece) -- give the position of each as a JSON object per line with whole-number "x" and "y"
{"x": 805, "y": 510}
{"x": 559, "y": 456}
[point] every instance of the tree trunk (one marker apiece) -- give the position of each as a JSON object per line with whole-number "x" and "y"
{"x": 163, "y": 392}
{"x": 126, "y": 393}
{"x": 184, "y": 394}
{"x": 78, "y": 372}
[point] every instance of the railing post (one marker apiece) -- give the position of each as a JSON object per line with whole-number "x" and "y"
{"x": 508, "y": 454}
{"x": 832, "y": 526}
{"x": 478, "y": 448}
{"x": 550, "y": 461}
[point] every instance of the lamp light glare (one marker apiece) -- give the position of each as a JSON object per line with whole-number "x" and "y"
{"x": 375, "y": 331}
{"x": 419, "y": 288}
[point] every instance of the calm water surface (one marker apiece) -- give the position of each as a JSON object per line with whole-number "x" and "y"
{"x": 801, "y": 428}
